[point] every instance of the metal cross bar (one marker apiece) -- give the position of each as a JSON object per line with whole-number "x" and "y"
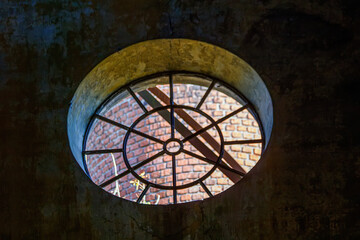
{"x": 206, "y": 94}
{"x": 137, "y": 99}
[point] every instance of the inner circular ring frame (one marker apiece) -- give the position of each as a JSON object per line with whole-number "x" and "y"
{"x": 132, "y": 170}
{"x": 181, "y": 146}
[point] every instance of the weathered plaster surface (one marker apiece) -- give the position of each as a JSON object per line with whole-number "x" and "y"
{"x": 306, "y": 186}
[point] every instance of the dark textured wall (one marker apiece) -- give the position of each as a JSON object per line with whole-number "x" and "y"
{"x": 305, "y": 187}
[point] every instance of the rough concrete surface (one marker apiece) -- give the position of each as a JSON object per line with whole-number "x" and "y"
{"x": 306, "y": 186}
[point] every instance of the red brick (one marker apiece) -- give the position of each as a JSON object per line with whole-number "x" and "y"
{"x": 187, "y": 169}
{"x": 217, "y": 174}
{"x": 150, "y": 197}
{"x": 196, "y": 197}
{"x": 155, "y": 174}
{"x": 229, "y": 127}
{"x": 248, "y": 136}
{"x": 138, "y": 151}
{"x": 226, "y": 134}
{"x": 193, "y": 161}
{"x": 246, "y": 122}
{"x": 194, "y": 175}
{"x": 182, "y": 162}
{"x": 166, "y": 172}
{"x": 236, "y": 134}
{"x": 222, "y": 181}
{"x": 194, "y": 190}
{"x": 241, "y": 128}
{"x": 216, "y": 189}
{"x": 160, "y": 181}
{"x": 230, "y": 100}
{"x": 150, "y": 121}
{"x": 150, "y": 169}
{"x": 182, "y": 176}
{"x": 225, "y": 106}
{"x": 248, "y": 163}
{"x": 242, "y": 155}
{"x": 161, "y": 166}
{"x": 198, "y": 168}
{"x": 182, "y": 191}
{"x": 185, "y": 198}
{"x": 236, "y": 148}
{"x": 246, "y": 149}
{"x": 257, "y": 151}
{"x": 106, "y": 141}
{"x": 254, "y": 157}
{"x": 149, "y": 148}
{"x": 211, "y": 106}
{"x": 217, "y": 113}
{"x": 208, "y": 167}
{"x": 251, "y": 130}
{"x": 235, "y": 121}
{"x": 234, "y": 107}
{"x": 164, "y": 201}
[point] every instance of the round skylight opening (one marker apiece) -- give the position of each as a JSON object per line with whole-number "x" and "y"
{"x": 169, "y": 121}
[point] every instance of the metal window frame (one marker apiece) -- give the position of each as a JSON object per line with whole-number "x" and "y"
{"x": 172, "y": 107}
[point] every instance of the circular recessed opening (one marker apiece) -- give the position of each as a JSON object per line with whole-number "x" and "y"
{"x": 170, "y": 136}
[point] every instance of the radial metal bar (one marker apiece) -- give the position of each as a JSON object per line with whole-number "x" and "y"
{"x": 244, "y": 141}
{"x": 196, "y": 126}
{"x": 215, "y": 123}
{"x": 111, "y": 180}
{"x": 206, "y": 189}
{"x": 212, "y": 162}
{"x": 148, "y": 160}
{"x": 137, "y": 99}
{"x": 172, "y": 117}
{"x": 127, "y": 128}
{"x": 174, "y": 177}
{"x": 90, "y": 152}
{"x": 172, "y": 123}
{"x": 134, "y": 168}
{"x": 143, "y": 193}
{"x": 206, "y": 94}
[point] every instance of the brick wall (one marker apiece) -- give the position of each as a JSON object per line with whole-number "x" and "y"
{"x": 106, "y": 136}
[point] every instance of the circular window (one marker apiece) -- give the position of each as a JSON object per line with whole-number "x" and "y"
{"x": 169, "y": 121}
{"x": 171, "y": 138}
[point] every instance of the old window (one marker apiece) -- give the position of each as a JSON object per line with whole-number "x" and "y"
{"x": 172, "y": 137}
{"x": 169, "y": 121}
